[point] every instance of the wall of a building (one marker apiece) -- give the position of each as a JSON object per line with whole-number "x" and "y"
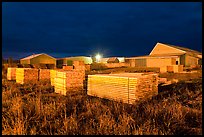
{"x": 159, "y": 62}
{"x": 141, "y": 62}
{"x": 183, "y": 60}
{"x": 26, "y": 61}
{"x": 87, "y": 60}
{"x": 116, "y": 65}
{"x": 131, "y": 62}
{"x": 189, "y": 60}
{"x": 43, "y": 59}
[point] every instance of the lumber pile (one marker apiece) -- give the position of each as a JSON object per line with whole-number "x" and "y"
{"x": 24, "y": 75}
{"x": 79, "y": 69}
{"x": 66, "y": 81}
{"x": 126, "y": 87}
{"x": 70, "y": 78}
{"x": 67, "y": 67}
{"x": 175, "y": 68}
{"x": 171, "y": 68}
{"x": 163, "y": 69}
{"x": 44, "y": 74}
{"x": 178, "y": 68}
{"x": 88, "y": 67}
{"x": 11, "y": 73}
{"x": 52, "y": 76}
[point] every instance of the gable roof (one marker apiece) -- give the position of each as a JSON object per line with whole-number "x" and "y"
{"x": 112, "y": 59}
{"x": 184, "y": 49}
{"x": 180, "y": 50}
{"x": 36, "y": 55}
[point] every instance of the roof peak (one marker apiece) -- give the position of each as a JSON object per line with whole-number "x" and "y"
{"x": 181, "y": 48}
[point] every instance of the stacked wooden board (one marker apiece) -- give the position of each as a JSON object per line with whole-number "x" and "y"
{"x": 175, "y": 68}
{"x": 52, "y": 76}
{"x": 24, "y": 75}
{"x": 125, "y": 87}
{"x": 69, "y": 80}
{"x": 11, "y": 73}
{"x": 60, "y": 81}
{"x": 178, "y": 68}
{"x": 88, "y": 67}
{"x": 172, "y": 68}
{"x": 44, "y": 74}
{"x": 163, "y": 69}
{"x": 67, "y": 67}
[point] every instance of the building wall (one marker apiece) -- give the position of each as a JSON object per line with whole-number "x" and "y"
{"x": 59, "y": 63}
{"x": 189, "y": 60}
{"x": 183, "y": 59}
{"x": 43, "y": 59}
{"x": 141, "y": 62}
{"x": 199, "y": 61}
{"x": 159, "y": 62}
{"x": 117, "y": 65}
{"x": 132, "y": 62}
{"x": 26, "y": 61}
{"x": 87, "y": 60}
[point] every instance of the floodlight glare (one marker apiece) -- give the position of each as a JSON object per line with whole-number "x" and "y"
{"x": 98, "y": 57}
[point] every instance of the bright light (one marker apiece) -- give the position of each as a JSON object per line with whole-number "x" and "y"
{"x": 98, "y": 57}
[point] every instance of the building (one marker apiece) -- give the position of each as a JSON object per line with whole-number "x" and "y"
{"x": 68, "y": 61}
{"x": 39, "y": 59}
{"x": 104, "y": 60}
{"x": 165, "y": 54}
{"x": 113, "y": 60}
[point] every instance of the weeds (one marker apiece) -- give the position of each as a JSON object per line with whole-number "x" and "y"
{"x": 34, "y": 109}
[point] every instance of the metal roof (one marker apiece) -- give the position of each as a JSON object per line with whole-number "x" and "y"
{"x": 35, "y": 55}
{"x": 184, "y": 49}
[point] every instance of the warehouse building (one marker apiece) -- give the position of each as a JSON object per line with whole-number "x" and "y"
{"x": 39, "y": 59}
{"x": 165, "y": 54}
{"x": 112, "y": 60}
{"x": 68, "y": 61}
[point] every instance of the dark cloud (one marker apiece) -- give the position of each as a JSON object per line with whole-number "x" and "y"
{"x": 84, "y": 28}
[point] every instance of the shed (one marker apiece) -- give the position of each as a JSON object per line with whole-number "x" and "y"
{"x": 186, "y": 56}
{"x": 167, "y": 55}
{"x": 113, "y": 60}
{"x": 39, "y": 59}
{"x": 68, "y": 61}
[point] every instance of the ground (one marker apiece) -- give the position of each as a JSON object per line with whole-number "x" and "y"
{"x": 34, "y": 108}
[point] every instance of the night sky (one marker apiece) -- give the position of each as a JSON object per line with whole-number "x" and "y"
{"x": 63, "y": 29}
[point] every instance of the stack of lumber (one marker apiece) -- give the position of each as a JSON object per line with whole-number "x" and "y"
{"x": 24, "y": 75}
{"x": 175, "y": 68}
{"x": 11, "y": 73}
{"x": 70, "y": 78}
{"x": 60, "y": 81}
{"x": 170, "y": 68}
{"x": 52, "y": 76}
{"x": 163, "y": 69}
{"x": 68, "y": 67}
{"x": 178, "y": 68}
{"x": 88, "y": 67}
{"x": 78, "y": 63}
{"x": 79, "y": 68}
{"x": 44, "y": 74}
{"x": 126, "y": 87}
{"x": 68, "y": 81}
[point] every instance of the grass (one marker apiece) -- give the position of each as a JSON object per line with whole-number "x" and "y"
{"x": 34, "y": 109}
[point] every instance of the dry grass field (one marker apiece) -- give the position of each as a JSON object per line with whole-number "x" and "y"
{"x": 34, "y": 109}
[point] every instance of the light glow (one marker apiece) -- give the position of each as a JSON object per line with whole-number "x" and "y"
{"x": 98, "y": 57}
